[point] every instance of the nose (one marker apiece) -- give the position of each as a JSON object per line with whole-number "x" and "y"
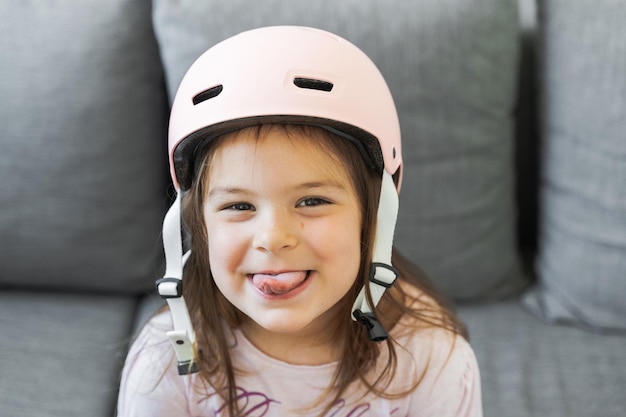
{"x": 275, "y": 232}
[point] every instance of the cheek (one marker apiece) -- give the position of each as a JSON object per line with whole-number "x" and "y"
{"x": 356, "y": 244}
{"x": 341, "y": 243}
{"x": 223, "y": 252}
{"x": 347, "y": 255}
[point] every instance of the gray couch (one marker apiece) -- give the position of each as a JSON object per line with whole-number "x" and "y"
{"x": 514, "y": 199}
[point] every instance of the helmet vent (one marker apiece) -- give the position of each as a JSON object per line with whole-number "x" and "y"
{"x": 313, "y": 84}
{"x": 207, "y": 94}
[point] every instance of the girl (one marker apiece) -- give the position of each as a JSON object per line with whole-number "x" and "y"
{"x": 285, "y": 151}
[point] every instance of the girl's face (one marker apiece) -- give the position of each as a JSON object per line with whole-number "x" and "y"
{"x": 284, "y": 231}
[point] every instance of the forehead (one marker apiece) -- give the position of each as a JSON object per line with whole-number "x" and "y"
{"x": 289, "y": 151}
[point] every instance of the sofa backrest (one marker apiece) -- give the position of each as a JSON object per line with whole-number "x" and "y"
{"x": 581, "y": 263}
{"x": 82, "y": 146}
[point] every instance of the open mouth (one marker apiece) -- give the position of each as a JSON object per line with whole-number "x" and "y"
{"x": 279, "y": 283}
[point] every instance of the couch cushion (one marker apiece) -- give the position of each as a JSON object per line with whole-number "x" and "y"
{"x": 61, "y": 354}
{"x": 582, "y": 259}
{"x": 452, "y": 69}
{"x": 82, "y": 145}
{"x": 530, "y": 368}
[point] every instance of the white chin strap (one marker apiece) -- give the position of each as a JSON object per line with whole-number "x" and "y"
{"x": 382, "y": 273}
{"x": 170, "y": 287}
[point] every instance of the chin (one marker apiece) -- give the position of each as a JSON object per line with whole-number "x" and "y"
{"x": 280, "y": 327}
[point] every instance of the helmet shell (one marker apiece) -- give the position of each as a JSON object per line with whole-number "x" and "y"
{"x": 284, "y": 74}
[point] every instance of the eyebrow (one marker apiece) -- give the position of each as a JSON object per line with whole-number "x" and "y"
{"x": 321, "y": 184}
{"x": 227, "y": 190}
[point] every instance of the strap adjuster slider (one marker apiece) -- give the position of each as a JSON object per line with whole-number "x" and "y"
{"x": 170, "y": 287}
{"x": 384, "y": 278}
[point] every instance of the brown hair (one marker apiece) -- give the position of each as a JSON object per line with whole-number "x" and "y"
{"x": 209, "y": 309}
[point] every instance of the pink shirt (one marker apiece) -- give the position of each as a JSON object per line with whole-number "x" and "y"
{"x": 151, "y": 386}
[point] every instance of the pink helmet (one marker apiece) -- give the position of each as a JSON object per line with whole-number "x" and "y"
{"x": 284, "y": 74}
{"x": 291, "y": 75}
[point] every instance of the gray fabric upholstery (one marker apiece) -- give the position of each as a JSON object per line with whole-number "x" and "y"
{"x": 582, "y": 258}
{"x": 60, "y": 354}
{"x": 82, "y": 136}
{"x": 146, "y": 308}
{"x": 454, "y": 84}
{"x": 530, "y": 368}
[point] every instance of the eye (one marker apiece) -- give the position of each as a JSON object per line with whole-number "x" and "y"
{"x": 240, "y": 207}
{"x": 312, "y": 202}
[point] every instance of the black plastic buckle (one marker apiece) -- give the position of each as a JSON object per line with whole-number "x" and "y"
{"x": 375, "y": 331}
{"x": 384, "y": 266}
{"x": 179, "y": 287}
{"x": 187, "y": 367}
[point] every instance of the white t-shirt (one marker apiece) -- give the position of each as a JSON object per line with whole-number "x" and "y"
{"x": 450, "y": 385}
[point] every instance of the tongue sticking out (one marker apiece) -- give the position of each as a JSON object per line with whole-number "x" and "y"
{"x": 280, "y": 283}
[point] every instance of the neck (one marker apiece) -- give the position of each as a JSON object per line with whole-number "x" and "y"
{"x": 314, "y": 345}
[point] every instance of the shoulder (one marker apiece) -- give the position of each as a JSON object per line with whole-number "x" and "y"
{"x": 150, "y": 384}
{"x": 433, "y": 350}
{"x": 442, "y": 372}
{"x": 453, "y": 380}
{"x": 151, "y": 347}
{"x": 443, "y": 365}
